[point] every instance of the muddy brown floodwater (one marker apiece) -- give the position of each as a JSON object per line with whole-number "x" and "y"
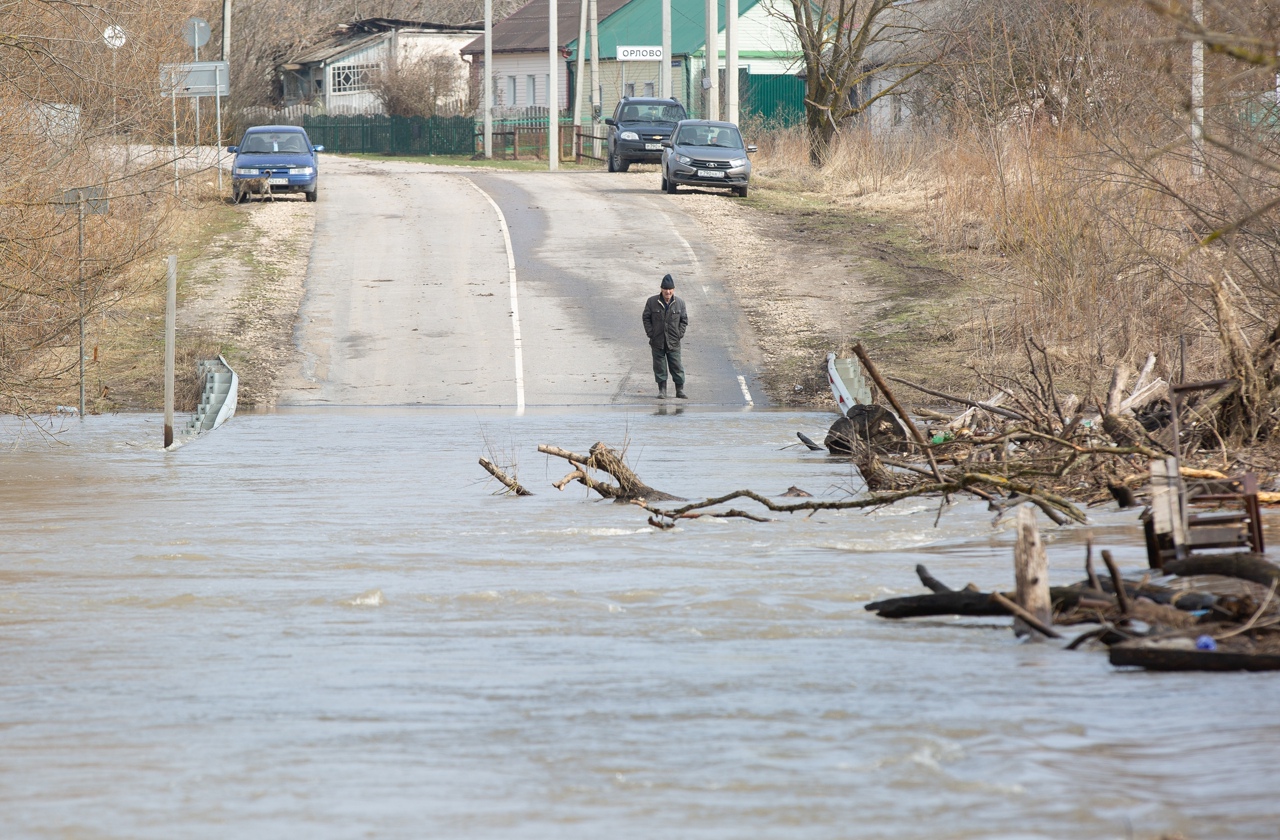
{"x": 320, "y": 623}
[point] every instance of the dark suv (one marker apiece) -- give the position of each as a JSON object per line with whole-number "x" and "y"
{"x": 637, "y": 129}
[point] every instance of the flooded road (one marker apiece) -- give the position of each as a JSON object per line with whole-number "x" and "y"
{"x": 322, "y": 624}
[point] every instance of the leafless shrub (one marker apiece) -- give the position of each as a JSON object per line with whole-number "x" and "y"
{"x": 421, "y": 87}
{"x": 67, "y": 123}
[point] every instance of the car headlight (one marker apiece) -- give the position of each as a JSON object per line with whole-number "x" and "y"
{"x": 736, "y": 162}
{"x": 244, "y": 170}
{"x": 302, "y": 170}
{"x": 629, "y": 135}
{"x": 683, "y": 159}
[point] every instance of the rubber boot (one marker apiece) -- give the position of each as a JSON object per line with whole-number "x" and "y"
{"x": 681, "y": 394}
{"x": 662, "y": 391}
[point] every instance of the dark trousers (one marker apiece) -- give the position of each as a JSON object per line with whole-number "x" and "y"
{"x": 664, "y": 359}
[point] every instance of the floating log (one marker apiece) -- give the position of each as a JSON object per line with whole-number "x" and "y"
{"x": 1144, "y": 654}
{"x": 1249, "y": 567}
{"x": 958, "y": 602}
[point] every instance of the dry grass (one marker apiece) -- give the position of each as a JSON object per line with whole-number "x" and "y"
{"x": 1075, "y": 246}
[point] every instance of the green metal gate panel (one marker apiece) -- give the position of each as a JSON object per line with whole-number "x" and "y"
{"x": 376, "y": 134}
{"x": 778, "y": 99}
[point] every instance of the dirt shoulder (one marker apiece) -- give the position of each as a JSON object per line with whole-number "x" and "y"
{"x": 240, "y": 281}
{"x": 815, "y": 276}
{"x": 243, "y": 294}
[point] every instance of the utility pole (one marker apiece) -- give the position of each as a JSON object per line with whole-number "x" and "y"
{"x": 486, "y": 79}
{"x": 712, "y": 86}
{"x": 578, "y": 86}
{"x": 226, "y": 30}
{"x": 595, "y": 79}
{"x": 1197, "y": 93}
{"x": 731, "y": 60}
{"x": 664, "y": 73}
{"x": 553, "y": 85}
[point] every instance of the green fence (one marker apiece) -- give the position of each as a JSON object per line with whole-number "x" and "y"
{"x": 778, "y": 99}
{"x": 393, "y": 135}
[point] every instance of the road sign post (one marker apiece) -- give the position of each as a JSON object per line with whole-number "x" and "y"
{"x": 88, "y": 201}
{"x": 195, "y": 79}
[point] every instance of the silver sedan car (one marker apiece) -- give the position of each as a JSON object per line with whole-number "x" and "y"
{"x": 703, "y": 153}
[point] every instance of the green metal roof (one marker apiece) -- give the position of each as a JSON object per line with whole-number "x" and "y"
{"x": 639, "y": 24}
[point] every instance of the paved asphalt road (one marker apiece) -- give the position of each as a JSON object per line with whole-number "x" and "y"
{"x": 408, "y": 294}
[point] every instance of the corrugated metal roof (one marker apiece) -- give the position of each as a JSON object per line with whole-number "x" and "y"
{"x": 337, "y": 46}
{"x": 525, "y": 30}
{"x": 359, "y": 34}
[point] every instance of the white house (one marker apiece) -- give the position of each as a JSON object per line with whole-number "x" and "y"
{"x": 340, "y": 72}
{"x": 520, "y": 61}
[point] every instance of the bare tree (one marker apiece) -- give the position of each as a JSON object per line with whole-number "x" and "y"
{"x": 421, "y": 87}
{"x": 70, "y": 110}
{"x": 846, "y": 44}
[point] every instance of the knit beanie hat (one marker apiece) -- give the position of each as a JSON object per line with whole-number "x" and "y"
{"x": 668, "y": 282}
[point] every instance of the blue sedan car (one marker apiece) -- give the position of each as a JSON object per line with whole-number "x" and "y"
{"x": 275, "y": 159}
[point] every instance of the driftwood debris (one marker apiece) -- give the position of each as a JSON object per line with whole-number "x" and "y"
{"x": 1031, "y": 572}
{"x": 506, "y": 480}
{"x": 629, "y": 487}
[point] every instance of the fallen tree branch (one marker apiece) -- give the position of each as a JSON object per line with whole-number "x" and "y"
{"x": 603, "y": 458}
{"x": 954, "y": 485}
{"x": 1030, "y": 620}
{"x": 506, "y": 480}
{"x": 1006, "y": 413}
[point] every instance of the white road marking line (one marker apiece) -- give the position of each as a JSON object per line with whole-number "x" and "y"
{"x": 746, "y": 394}
{"x": 515, "y": 304}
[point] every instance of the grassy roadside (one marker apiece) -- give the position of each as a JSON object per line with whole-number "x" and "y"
{"x": 124, "y": 368}
{"x": 920, "y": 301}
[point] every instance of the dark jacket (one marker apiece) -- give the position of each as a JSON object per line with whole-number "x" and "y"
{"x": 665, "y": 325}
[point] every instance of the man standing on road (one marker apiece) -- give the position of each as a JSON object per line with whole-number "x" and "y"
{"x": 665, "y": 321}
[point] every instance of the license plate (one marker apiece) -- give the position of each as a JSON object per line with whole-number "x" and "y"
{"x": 710, "y": 173}
{"x": 278, "y": 182}
{"x": 652, "y": 147}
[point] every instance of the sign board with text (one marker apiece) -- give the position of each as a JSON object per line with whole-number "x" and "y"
{"x": 195, "y": 78}
{"x": 639, "y": 53}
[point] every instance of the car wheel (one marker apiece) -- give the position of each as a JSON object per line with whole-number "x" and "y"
{"x": 621, "y": 165}
{"x": 664, "y": 183}
{"x": 741, "y": 191}
{"x": 671, "y": 186}
{"x": 315, "y": 193}
{"x": 609, "y": 158}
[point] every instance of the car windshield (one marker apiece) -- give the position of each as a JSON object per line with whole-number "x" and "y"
{"x": 723, "y": 137}
{"x": 267, "y": 142}
{"x": 652, "y": 113}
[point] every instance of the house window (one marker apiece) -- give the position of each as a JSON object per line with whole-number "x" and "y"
{"x": 511, "y": 92}
{"x": 895, "y": 109}
{"x": 630, "y": 89}
{"x": 648, "y": 88}
{"x": 531, "y": 89}
{"x": 353, "y": 78}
